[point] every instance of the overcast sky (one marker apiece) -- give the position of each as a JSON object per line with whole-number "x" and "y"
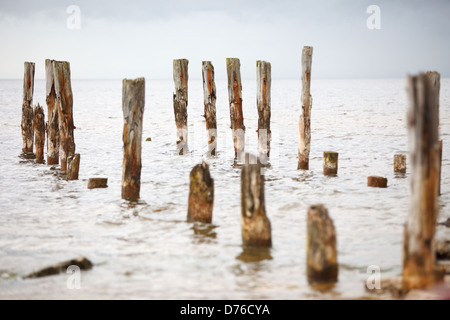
{"x": 132, "y": 38}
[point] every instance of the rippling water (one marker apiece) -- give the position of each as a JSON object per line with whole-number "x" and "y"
{"x": 149, "y": 251}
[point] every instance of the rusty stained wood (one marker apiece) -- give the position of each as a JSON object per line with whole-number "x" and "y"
{"x": 201, "y": 194}
{"x": 263, "y": 101}
{"x": 304, "y": 141}
{"x": 209, "y": 99}
{"x": 52, "y": 115}
{"x": 27, "y": 107}
{"x": 180, "y": 103}
{"x": 73, "y": 166}
{"x": 39, "y": 132}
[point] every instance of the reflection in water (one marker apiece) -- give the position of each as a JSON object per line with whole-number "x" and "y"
{"x": 204, "y": 232}
{"x": 304, "y": 176}
{"x": 254, "y": 254}
{"x": 323, "y": 287}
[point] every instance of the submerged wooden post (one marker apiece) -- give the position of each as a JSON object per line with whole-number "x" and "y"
{"x": 235, "y": 99}
{"x": 255, "y": 226}
{"x": 27, "y": 107}
{"x": 377, "y": 182}
{"x": 330, "y": 163}
{"x": 39, "y": 132}
{"x": 209, "y": 98}
{"x": 418, "y": 246}
{"x": 52, "y": 115}
{"x": 400, "y": 163}
{"x": 201, "y": 194}
{"x": 94, "y": 183}
{"x": 304, "y": 141}
{"x": 263, "y": 101}
{"x": 133, "y": 102}
{"x": 64, "y": 102}
{"x": 180, "y": 103}
{"x": 321, "y": 252}
{"x": 73, "y": 166}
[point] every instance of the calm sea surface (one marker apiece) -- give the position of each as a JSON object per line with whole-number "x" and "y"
{"x": 148, "y": 250}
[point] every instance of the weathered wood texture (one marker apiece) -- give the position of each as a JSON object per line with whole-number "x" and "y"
{"x": 263, "y": 101}
{"x": 94, "y": 183}
{"x": 330, "y": 163}
{"x": 133, "y": 102}
{"x": 235, "y": 99}
{"x": 180, "y": 103}
{"x": 201, "y": 194}
{"x": 377, "y": 182}
{"x": 418, "y": 246}
{"x": 73, "y": 166}
{"x": 209, "y": 98}
{"x": 304, "y": 141}
{"x": 39, "y": 132}
{"x": 400, "y": 163}
{"x": 64, "y": 103}
{"x": 440, "y": 166}
{"x": 321, "y": 252}
{"x": 255, "y": 226}
{"x": 27, "y": 107}
{"x": 52, "y": 115}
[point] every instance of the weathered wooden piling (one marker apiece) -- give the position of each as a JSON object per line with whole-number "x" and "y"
{"x": 321, "y": 252}
{"x": 94, "y": 183}
{"x": 52, "y": 115}
{"x": 209, "y": 98}
{"x": 73, "y": 166}
{"x": 255, "y": 226}
{"x": 39, "y": 132}
{"x": 400, "y": 163}
{"x": 440, "y": 166}
{"x": 27, "y": 107}
{"x": 418, "y": 246}
{"x": 304, "y": 141}
{"x": 133, "y": 102}
{"x": 64, "y": 102}
{"x": 330, "y": 163}
{"x": 201, "y": 194}
{"x": 180, "y": 103}
{"x": 235, "y": 99}
{"x": 377, "y": 182}
{"x": 263, "y": 101}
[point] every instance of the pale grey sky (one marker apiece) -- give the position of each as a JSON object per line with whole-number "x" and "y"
{"x": 134, "y": 38}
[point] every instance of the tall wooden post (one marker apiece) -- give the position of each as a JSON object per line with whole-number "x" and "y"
{"x": 440, "y": 166}
{"x": 235, "y": 98}
{"x": 256, "y": 229}
{"x": 304, "y": 141}
{"x": 418, "y": 246}
{"x": 39, "y": 133}
{"x": 180, "y": 103}
{"x": 27, "y": 107}
{"x": 64, "y": 102}
{"x": 434, "y": 78}
{"x": 52, "y": 115}
{"x": 209, "y": 98}
{"x": 133, "y": 102}
{"x": 263, "y": 101}
{"x": 201, "y": 194}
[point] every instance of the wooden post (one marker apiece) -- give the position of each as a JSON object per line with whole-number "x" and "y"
{"x": 73, "y": 166}
{"x": 94, "y": 183}
{"x": 201, "y": 194}
{"x": 39, "y": 132}
{"x": 377, "y": 182}
{"x": 180, "y": 103}
{"x": 27, "y": 107}
{"x": 304, "y": 141}
{"x": 434, "y": 78}
{"x": 263, "y": 101}
{"x": 64, "y": 102}
{"x": 235, "y": 98}
{"x": 330, "y": 163}
{"x": 209, "y": 98}
{"x": 255, "y": 226}
{"x": 400, "y": 163}
{"x": 321, "y": 253}
{"x": 133, "y": 102}
{"x": 440, "y": 166}
{"x": 52, "y": 115}
{"x": 418, "y": 246}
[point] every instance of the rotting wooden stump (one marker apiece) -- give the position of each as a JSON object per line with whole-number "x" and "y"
{"x": 52, "y": 115}
{"x": 27, "y": 107}
{"x": 419, "y": 260}
{"x": 39, "y": 132}
{"x": 255, "y": 226}
{"x": 330, "y": 163}
{"x": 377, "y": 182}
{"x": 64, "y": 102}
{"x": 263, "y": 101}
{"x": 209, "y": 100}
{"x": 235, "y": 100}
{"x": 321, "y": 252}
{"x": 94, "y": 183}
{"x": 73, "y": 167}
{"x": 201, "y": 194}
{"x": 400, "y": 163}
{"x": 133, "y": 103}
{"x": 304, "y": 141}
{"x": 82, "y": 262}
{"x": 180, "y": 103}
